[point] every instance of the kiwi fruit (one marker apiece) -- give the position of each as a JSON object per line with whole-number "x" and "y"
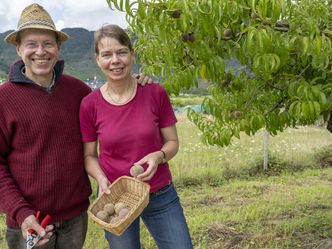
{"x": 136, "y": 169}
{"x": 109, "y": 208}
{"x": 114, "y": 219}
{"x": 123, "y": 212}
{"x": 118, "y": 206}
{"x": 102, "y": 215}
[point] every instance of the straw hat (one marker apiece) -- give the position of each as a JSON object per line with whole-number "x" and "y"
{"x": 35, "y": 16}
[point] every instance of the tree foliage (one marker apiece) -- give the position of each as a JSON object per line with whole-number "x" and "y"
{"x": 284, "y": 48}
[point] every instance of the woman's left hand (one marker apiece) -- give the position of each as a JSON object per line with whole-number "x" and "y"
{"x": 152, "y": 160}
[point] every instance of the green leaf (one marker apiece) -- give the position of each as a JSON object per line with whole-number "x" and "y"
{"x": 287, "y": 76}
{"x": 121, "y": 5}
{"x": 305, "y": 43}
{"x": 322, "y": 99}
{"x": 202, "y": 71}
{"x": 316, "y": 108}
{"x": 305, "y": 110}
{"x": 292, "y": 108}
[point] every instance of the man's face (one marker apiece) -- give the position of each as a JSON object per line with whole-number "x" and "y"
{"x": 39, "y": 51}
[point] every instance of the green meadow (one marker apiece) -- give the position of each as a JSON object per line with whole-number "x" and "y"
{"x": 231, "y": 202}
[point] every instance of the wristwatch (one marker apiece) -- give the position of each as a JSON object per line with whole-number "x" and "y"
{"x": 164, "y": 156}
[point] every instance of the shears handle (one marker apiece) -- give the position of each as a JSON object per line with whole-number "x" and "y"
{"x": 44, "y": 222}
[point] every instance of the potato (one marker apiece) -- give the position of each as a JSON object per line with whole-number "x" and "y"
{"x": 109, "y": 208}
{"x": 136, "y": 169}
{"x": 118, "y": 206}
{"x": 102, "y": 215}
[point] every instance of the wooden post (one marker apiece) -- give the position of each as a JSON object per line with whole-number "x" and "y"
{"x": 266, "y": 150}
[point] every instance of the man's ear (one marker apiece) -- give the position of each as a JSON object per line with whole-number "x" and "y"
{"x": 18, "y": 50}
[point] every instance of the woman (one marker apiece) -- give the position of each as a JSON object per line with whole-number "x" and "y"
{"x": 133, "y": 125}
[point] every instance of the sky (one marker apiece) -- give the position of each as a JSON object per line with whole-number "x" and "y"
{"x": 88, "y": 14}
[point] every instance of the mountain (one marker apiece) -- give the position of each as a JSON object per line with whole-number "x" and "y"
{"x": 77, "y": 52}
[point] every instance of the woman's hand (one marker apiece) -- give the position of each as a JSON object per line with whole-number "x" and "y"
{"x": 170, "y": 148}
{"x": 152, "y": 160}
{"x": 103, "y": 184}
{"x": 92, "y": 167}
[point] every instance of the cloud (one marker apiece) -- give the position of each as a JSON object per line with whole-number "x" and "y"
{"x": 60, "y": 24}
{"x": 89, "y": 14}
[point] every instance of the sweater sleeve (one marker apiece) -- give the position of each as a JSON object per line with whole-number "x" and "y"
{"x": 88, "y": 130}
{"x": 12, "y": 203}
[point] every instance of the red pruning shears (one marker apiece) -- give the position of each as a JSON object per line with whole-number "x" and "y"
{"x": 32, "y": 236}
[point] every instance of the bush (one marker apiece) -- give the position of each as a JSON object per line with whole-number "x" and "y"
{"x": 324, "y": 156}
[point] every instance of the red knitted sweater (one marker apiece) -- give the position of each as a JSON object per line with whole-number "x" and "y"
{"x": 41, "y": 154}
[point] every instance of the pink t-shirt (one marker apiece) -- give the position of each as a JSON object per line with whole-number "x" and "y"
{"x": 128, "y": 132}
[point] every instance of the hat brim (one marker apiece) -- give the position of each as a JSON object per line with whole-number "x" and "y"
{"x": 11, "y": 38}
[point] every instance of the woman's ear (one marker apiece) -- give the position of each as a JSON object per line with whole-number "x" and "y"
{"x": 97, "y": 60}
{"x": 133, "y": 56}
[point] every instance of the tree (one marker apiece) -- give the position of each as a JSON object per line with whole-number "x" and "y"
{"x": 284, "y": 48}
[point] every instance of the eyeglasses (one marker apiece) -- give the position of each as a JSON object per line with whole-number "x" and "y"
{"x": 44, "y": 45}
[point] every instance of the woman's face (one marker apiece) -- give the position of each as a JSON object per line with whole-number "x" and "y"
{"x": 115, "y": 60}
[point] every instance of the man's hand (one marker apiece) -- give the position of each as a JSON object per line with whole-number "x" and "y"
{"x": 142, "y": 79}
{"x": 31, "y": 222}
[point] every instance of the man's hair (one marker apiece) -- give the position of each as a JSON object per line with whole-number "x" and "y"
{"x": 19, "y": 34}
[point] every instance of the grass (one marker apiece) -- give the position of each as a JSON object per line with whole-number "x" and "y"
{"x": 288, "y": 211}
{"x": 186, "y": 99}
{"x": 230, "y": 202}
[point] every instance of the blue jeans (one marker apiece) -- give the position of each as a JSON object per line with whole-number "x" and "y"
{"x": 67, "y": 234}
{"x": 165, "y": 221}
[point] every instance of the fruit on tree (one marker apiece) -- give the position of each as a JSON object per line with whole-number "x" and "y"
{"x": 176, "y": 14}
{"x": 227, "y": 33}
{"x": 188, "y": 37}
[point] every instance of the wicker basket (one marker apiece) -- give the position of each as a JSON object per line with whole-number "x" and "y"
{"x": 132, "y": 192}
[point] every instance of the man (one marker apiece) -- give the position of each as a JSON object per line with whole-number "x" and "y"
{"x": 41, "y": 155}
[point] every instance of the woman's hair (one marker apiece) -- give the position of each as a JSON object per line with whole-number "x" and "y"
{"x": 112, "y": 31}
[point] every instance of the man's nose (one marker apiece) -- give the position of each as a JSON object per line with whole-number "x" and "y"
{"x": 40, "y": 49}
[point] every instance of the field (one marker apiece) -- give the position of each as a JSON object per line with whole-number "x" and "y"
{"x": 230, "y": 202}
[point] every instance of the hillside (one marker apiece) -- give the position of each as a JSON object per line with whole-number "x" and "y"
{"x": 77, "y": 52}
